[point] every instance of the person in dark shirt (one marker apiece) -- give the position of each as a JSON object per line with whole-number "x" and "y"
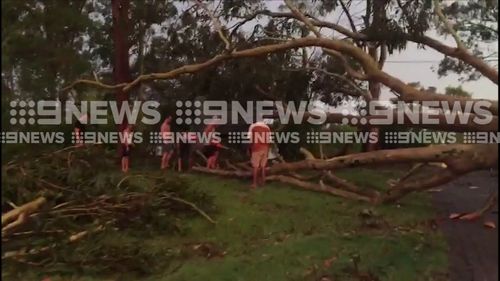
{"x": 211, "y": 150}
{"x": 185, "y": 150}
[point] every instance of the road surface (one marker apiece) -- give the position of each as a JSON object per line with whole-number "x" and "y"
{"x": 473, "y": 247}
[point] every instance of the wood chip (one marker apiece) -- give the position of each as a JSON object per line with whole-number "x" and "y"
{"x": 490, "y": 224}
{"x": 328, "y": 262}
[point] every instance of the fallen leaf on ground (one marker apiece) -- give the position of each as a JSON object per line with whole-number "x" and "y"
{"x": 471, "y": 216}
{"x": 454, "y": 216}
{"x": 328, "y": 262}
{"x": 490, "y": 224}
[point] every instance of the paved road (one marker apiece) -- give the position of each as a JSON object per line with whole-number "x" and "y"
{"x": 473, "y": 247}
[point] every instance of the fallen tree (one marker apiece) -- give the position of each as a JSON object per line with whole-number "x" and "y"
{"x": 457, "y": 158}
{"x": 54, "y": 203}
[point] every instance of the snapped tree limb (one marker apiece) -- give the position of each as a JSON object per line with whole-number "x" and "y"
{"x": 458, "y": 157}
{"x": 406, "y": 92}
{"x": 462, "y": 54}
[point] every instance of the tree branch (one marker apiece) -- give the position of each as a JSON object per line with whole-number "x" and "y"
{"x": 349, "y": 186}
{"x": 372, "y": 72}
{"x": 349, "y": 17}
{"x": 298, "y": 14}
{"x": 464, "y": 55}
{"x": 441, "y": 178}
{"x": 217, "y": 24}
{"x": 360, "y": 92}
{"x": 458, "y": 157}
{"x": 447, "y": 24}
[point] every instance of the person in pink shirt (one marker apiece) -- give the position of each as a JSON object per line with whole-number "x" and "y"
{"x": 167, "y": 147}
{"x": 260, "y": 140}
{"x": 126, "y": 144}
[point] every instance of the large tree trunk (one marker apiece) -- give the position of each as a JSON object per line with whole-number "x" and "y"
{"x": 458, "y": 157}
{"x": 378, "y": 53}
{"x": 374, "y": 88}
{"x": 121, "y": 68}
{"x": 455, "y": 160}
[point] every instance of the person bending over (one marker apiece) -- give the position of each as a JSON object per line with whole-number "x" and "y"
{"x": 211, "y": 150}
{"x": 260, "y": 139}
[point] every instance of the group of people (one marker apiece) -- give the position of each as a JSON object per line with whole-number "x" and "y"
{"x": 260, "y": 142}
{"x": 184, "y": 148}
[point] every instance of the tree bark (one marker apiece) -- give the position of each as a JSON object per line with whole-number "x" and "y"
{"x": 121, "y": 67}
{"x": 406, "y": 92}
{"x": 28, "y": 208}
{"x": 374, "y": 88}
{"x": 458, "y": 157}
{"x": 490, "y": 72}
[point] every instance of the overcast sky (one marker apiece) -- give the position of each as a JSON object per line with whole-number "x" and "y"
{"x": 415, "y": 65}
{"x": 411, "y": 65}
{"x": 420, "y": 71}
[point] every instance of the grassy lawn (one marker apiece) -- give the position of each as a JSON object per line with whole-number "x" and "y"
{"x": 281, "y": 233}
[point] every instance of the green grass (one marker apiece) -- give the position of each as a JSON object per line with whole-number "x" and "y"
{"x": 282, "y": 233}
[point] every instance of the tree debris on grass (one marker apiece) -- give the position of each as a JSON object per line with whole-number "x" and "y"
{"x": 54, "y": 209}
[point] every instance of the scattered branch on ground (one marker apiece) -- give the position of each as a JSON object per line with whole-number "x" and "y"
{"x": 78, "y": 204}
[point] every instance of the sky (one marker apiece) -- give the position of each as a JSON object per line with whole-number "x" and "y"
{"x": 410, "y": 65}
{"x": 420, "y": 71}
{"x": 414, "y": 64}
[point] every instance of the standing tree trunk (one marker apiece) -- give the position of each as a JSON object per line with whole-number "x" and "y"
{"x": 121, "y": 68}
{"x": 374, "y": 87}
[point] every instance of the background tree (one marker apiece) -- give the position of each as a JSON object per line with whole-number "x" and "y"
{"x": 200, "y": 46}
{"x": 457, "y": 92}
